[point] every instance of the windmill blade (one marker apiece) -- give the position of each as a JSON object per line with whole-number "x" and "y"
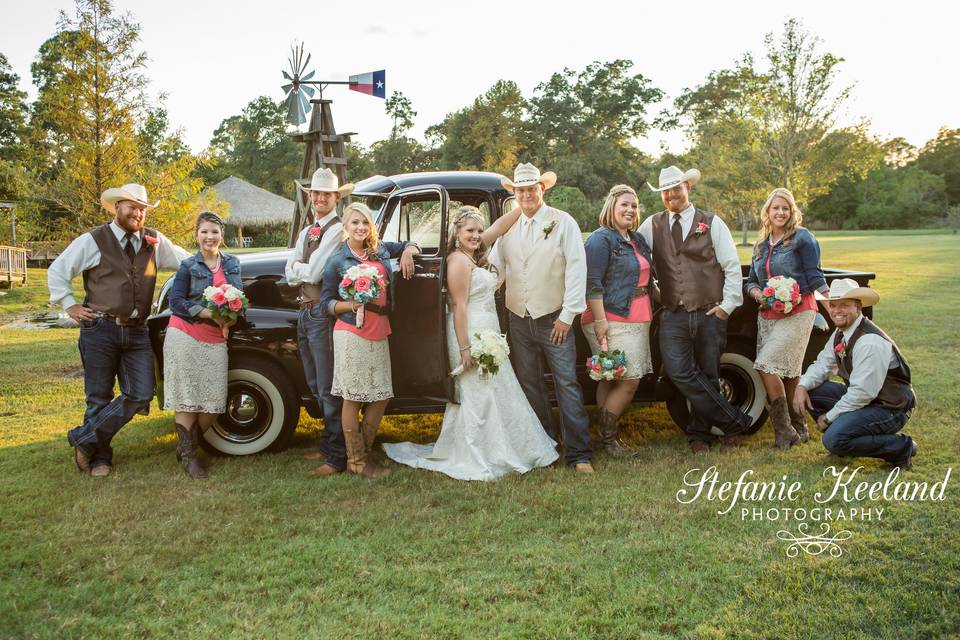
{"x": 307, "y": 77}
{"x": 295, "y": 112}
{"x": 286, "y": 88}
{"x": 287, "y": 76}
{"x": 305, "y": 64}
{"x": 307, "y": 89}
{"x": 304, "y": 105}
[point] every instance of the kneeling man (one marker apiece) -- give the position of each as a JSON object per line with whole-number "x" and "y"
{"x": 862, "y": 416}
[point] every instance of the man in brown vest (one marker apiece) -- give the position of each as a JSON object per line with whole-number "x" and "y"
{"x": 315, "y": 245}
{"x": 862, "y": 416}
{"x": 119, "y": 263}
{"x": 698, "y": 272}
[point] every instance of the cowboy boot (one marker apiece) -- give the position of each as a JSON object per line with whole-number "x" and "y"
{"x": 197, "y": 433}
{"x": 799, "y": 422}
{"x": 356, "y": 449}
{"x": 186, "y": 454}
{"x": 610, "y": 436}
{"x": 369, "y": 435}
{"x": 784, "y": 433}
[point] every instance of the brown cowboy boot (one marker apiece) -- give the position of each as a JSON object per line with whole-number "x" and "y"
{"x": 610, "y": 436}
{"x": 358, "y": 462}
{"x": 186, "y": 453}
{"x": 369, "y": 435}
{"x": 784, "y": 433}
{"x": 799, "y": 422}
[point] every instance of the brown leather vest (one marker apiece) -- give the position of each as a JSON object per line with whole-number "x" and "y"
{"x": 117, "y": 287}
{"x": 896, "y": 393}
{"x": 689, "y": 276}
{"x": 310, "y": 291}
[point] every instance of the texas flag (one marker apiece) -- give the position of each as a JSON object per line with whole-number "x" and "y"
{"x": 373, "y": 83}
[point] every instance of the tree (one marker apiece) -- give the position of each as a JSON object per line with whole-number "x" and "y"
{"x": 400, "y": 109}
{"x": 941, "y": 156}
{"x": 256, "y": 146}
{"x": 399, "y": 153}
{"x": 900, "y": 197}
{"x": 13, "y": 110}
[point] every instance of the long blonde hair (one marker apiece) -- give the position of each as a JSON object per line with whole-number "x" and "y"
{"x": 459, "y": 218}
{"x": 372, "y": 242}
{"x": 606, "y": 212}
{"x": 796, "y": 216}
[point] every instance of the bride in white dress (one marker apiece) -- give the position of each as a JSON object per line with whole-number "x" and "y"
{"x": 493, "y": 431}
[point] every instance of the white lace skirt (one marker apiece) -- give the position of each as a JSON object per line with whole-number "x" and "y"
{"x": 361, "y": 368}
{"x": 633, "y": 338}
{"x": 194, "y": 374}
{"x": 781, "y": 344}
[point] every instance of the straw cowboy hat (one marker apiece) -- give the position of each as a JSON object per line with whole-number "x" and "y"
{"x": 132, "y": 191}
{"x": 848, "y": 289}
{"x": 672, "y": 176}
{"x": 326, "y": 180}
{"x": 526, "y": 175}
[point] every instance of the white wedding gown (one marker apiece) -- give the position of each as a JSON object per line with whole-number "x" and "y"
{"x": 493, "y": 431}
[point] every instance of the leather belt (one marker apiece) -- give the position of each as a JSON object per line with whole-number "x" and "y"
{"x": 639, "y": 292}
{"x": 307, "y": 304}
{"x": 130, "y": 322}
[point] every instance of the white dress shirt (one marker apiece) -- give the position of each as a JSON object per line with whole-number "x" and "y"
{"x": 574, "y": 255}
{"x": 867, "y": 370}
{"x": 723, "y": 246}
{"x": 297, "y": 271}
{"x": 84, "y": 254}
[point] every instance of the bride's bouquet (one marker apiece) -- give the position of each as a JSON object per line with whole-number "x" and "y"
{"x": 607, "y": 365}
{"x": 781, "y": 294}
{"x": 361, "y": 283}
{"x": 489, "y": 349}
{"x": 226, "y": 303}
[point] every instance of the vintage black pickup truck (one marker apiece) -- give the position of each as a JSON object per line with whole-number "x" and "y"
{"x": 266, "y": 382}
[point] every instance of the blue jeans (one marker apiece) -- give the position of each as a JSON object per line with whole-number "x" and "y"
{"x": 869, "y": 432}
{"x": 691, "y": 343}
{"x": 315, "y": 340}
{"x": 531, "y": 341}
{"x": 110, "y": 352}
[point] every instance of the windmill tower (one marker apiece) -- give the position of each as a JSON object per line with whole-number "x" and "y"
{"x": 324, "y": 147}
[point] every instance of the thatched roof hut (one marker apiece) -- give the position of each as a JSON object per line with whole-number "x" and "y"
{"x": 251, "y": 206}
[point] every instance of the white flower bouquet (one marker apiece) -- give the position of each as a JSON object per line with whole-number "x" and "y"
{"x": 489, "y": 350}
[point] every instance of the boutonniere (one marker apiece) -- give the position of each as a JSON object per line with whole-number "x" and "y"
{"x": 841, "y": 349}
{"x": 547, "y": 229}
{"x": 701, "y": 229}
{"x": 314, "y": 232}
{"x": 150, "y": 239}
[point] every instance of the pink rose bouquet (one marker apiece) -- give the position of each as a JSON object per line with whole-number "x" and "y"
{"x": 361, "y": 283}
{"x": 781, "y": 294}
{"x": 225, "y": 302}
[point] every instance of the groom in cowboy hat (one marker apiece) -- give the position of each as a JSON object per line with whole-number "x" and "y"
{"x": 862, "y": 416}
{"x": 315, "y": 244}
{"x": 119, "y": 262}
{"x": 700, "y": 281}
{"x": 545, "y": 265}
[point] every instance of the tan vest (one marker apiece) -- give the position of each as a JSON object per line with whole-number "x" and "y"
{"x": 689, "y": 276}
{"x": 115, "y": 286}
{"x": 310, "y": 291}
{"x": 534, "y": 274}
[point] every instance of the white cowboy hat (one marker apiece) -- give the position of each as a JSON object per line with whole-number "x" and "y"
{"x": 326, "y": 180}
{"x": 848, "y": 289}
{"x": 525, "y": 175}
{"x": 132, "y": 191}
{"x": 672, "y": 176}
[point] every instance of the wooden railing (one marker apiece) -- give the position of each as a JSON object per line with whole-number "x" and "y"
{"x": 13, "y": 265}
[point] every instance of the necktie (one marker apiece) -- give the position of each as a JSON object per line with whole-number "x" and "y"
{"x": 676, "y": 232}
{"x": 528, "y": 233}
{"x": 128, "y": 248}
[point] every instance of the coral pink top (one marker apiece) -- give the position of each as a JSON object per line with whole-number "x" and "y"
{"x": 640, "y": 310}
{"x": 807, "y": 301}
{"x": 202, "y": 331}
{"x": 375, "y": 326}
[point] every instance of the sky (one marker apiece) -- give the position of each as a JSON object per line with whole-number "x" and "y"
{"x": 211, "y": 58}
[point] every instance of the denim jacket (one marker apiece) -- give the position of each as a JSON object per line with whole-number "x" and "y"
{"x": 193, "y": 276}
{"x": 337, "y": 265}
{"x": 613, "y": 269}
{"x": 798, "y": 259}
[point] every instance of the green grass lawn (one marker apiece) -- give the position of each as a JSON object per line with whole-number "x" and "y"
{"x": 262, "y": 550}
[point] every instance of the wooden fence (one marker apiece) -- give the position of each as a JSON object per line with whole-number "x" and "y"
{"x": 13, "y": 266}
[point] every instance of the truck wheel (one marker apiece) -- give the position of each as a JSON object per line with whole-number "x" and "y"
{"x": 740, "y": 384}
{"x": 262, "y": 410}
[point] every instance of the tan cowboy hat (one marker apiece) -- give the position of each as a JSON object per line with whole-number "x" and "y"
{"x": 326, "y": 180}
{"x": 848, "y": 289}
{"x": 672, "y": 176}
{"x": 132, "y": 191}
{"x": 525, "y": 175}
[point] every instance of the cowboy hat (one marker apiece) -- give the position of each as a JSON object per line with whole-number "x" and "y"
{"x": 526, "y": 175}
{"x": 326, "y": 180}
{"x": 672, "y": 176}
{"x": 131, "y": 191}
{"x": 848, "y": 289}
